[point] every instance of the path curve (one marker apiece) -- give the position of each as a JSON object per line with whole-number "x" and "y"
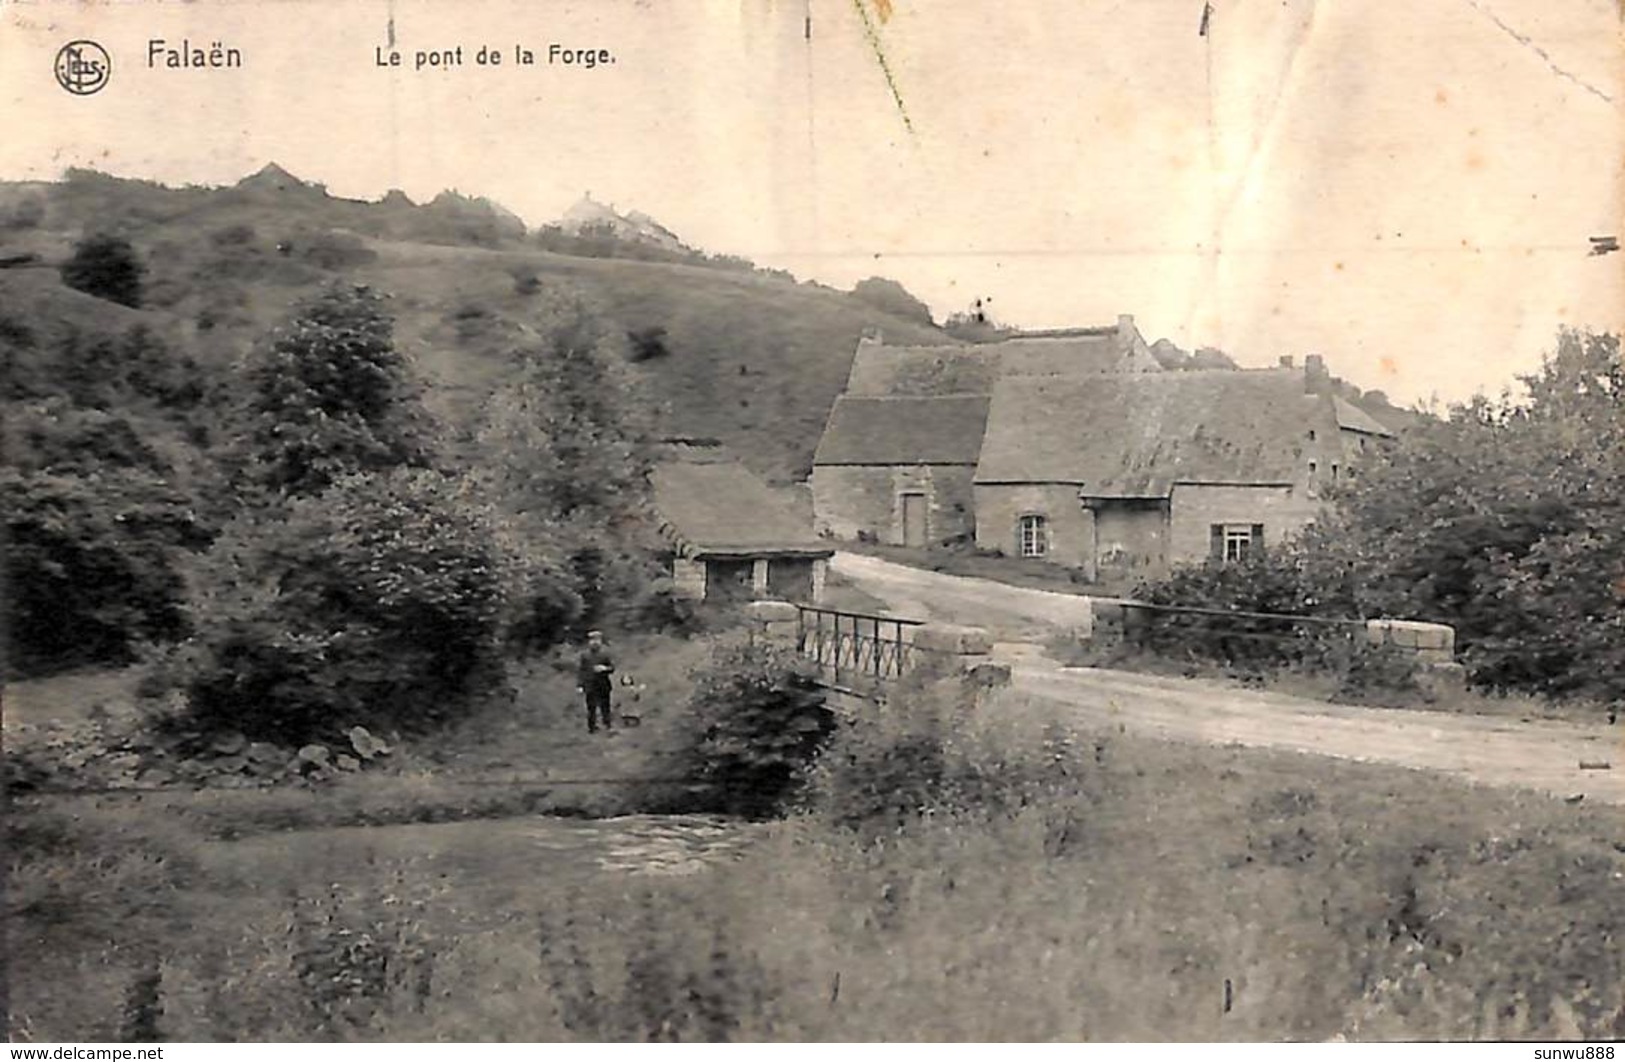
{"x": 1502, "y": 751}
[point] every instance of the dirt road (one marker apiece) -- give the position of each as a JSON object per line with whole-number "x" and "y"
{"x": 1010, "y": 613}
{"x": 1500, "y": 751}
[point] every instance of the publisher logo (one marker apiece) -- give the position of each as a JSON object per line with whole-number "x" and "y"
{"x": 83, "y": 67}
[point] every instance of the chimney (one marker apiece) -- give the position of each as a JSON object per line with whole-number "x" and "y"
{"x": 1316, "y": 380}
{"x": 1286, "y": 361}
{"x": 1125, "y": 322}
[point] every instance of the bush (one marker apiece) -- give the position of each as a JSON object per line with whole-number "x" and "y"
{"x": 928, "y": 753}
{"x": 647, "y": 344}
{"x": 893, "y": 298}
{"x": 336, "y": 251}
{"x": 25, "y": 213}
{"x": 92, "y": 564}
{"x": 107, "y": 267}
{"x": 755, "y": 723}
{"x": 383, "y": 601}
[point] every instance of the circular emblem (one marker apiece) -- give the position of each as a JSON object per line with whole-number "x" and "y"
{"x": 83, "y": 67}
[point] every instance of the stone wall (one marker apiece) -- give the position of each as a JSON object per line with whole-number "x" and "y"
{"x": 688, "y": 577}
{"x": 1195, "y": 508}
{"x": 1432, "y": 643}
{"x": 853, "y": 501}
{"x": 1000, "y": 507}
{"x": 1131, "y": 539}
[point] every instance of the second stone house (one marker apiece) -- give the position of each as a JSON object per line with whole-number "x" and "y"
{"x": 1130, "y": 475}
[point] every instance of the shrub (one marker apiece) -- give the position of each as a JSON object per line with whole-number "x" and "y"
{"x": 336, "y": 251}
{"x": 754, "y": 725}
{"x": 893, "y": 298}
{"x": 92, "y": 564}
{"x": 25, "y": 213}
{"x": 926, "y": 752}
{"x": 233, "y": 236}
{"x": 647, "y": 344}
{"x": 383, "y": 601}
{"x": 105, "y": 266}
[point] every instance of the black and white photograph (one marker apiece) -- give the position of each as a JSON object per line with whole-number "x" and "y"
{"x": 809, "y": 521}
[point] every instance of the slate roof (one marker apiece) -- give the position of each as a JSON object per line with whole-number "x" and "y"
{"x": 1136, "y": 435}
{"x": 903, "y": 431}
{"x": 721, "y": 508}
{"x": 972, "y": 368}
{"x": 1351, "y": 417}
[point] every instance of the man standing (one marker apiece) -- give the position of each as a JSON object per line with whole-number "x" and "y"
{"x": 592, "y": 679}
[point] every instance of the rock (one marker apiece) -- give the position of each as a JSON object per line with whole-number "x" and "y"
{"x": 347, "y": 763}
{"x": 231, "y": 764}
{"x": 316, "y": 755}
{"x": 155, "y": 778}
{"x": 264, "y": 752}
{"x": 228, "y": 744}
{"x": 366, "y": 746}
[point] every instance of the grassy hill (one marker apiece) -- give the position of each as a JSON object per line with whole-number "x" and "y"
{"x": 751, "y": 359}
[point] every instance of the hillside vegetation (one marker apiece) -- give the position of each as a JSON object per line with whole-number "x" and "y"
{"x": 746, "y": 357}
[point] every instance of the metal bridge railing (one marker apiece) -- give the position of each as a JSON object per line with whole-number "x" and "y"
{"x": 853, "y": 644}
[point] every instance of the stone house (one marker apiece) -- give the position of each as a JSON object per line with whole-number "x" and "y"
{"x": 733, "y": 537}
{"x": 1130, "y": 474}
{"x": 899, "y": 451}
{"x": 898, "y": 470}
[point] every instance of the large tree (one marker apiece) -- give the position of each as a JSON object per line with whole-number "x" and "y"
{"x": 330, "y": 395}
{"x": 566, "y": 444}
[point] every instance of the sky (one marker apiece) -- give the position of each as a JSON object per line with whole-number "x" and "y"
{"x": 1408, "y": 188}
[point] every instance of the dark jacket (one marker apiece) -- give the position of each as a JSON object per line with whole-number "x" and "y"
{"x": 587, "y": 675}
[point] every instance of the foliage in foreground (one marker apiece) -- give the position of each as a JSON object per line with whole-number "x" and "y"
{"x": 753, "y": 726}
{"x": 1161, "y": 892}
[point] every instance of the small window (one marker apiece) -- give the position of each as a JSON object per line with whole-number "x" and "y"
{"x": 1334, "y": 469}
{"x": 1362, "y": 442}
{"x": 1314, "y": 466}
{"x": 1235, "y": 543}
{"x": 1033, "y": 532}
{"x": 1311, "y": 435}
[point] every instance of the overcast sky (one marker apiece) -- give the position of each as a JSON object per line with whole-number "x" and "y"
{"x": 1408, "y": 187}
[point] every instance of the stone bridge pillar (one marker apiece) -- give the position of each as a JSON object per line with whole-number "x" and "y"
{"x": 943, "y": 651}
{"x": 774, "y": 621}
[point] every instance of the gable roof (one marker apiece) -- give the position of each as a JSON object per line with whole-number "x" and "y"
{"x": 720, "y": 508}
{"x": 903, "y": 431}
{"x": 1135, "y": 436}
{"x": 1351, "y": 417}
{"x": 973, "y": 368}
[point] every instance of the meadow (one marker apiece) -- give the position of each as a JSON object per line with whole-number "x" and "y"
{"x": 1080, "y": 885}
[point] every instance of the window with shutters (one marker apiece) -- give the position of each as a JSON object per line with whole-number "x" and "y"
{"x": 1235, "y": 543}
{"x": 1033, "y": 535}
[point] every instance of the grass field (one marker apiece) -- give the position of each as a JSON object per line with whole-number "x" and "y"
{"x": 1169, "y": 892}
